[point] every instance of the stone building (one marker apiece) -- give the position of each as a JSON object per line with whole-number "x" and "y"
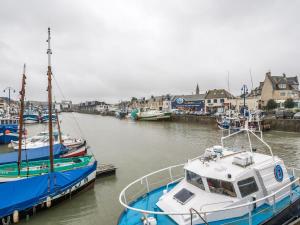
{"x": 218, "y": 100}
{"x": 279, "y": 88}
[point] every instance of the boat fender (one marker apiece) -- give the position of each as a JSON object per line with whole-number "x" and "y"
{"x": 48, "y": 202}
{"x": 7, "y": 222}
{"x": 149, "y": 221}
{"x": 16, "y": 216}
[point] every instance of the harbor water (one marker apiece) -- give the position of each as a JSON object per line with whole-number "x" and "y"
{"x": 137, "y": 148}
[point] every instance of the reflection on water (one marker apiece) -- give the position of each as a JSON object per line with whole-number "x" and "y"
{"x": 137, "y": 149}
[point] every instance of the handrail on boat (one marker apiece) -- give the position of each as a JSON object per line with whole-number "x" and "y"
{"x": 123, "y": 201}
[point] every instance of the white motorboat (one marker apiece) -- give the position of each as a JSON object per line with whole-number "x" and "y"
{"x": 222, "y": 186}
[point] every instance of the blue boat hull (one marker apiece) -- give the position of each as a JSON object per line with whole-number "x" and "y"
{"x": 264, "y": 214}
{"x": 30, "y": 195}
{"x": 33, "y": 154}
{"x": 8, "y": 133}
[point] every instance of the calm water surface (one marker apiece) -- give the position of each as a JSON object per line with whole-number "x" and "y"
{"x": 137, "y": 149}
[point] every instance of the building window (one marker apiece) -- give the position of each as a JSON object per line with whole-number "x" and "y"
{"x": 208, "y": 101}
{"x": 221, "y": 187}
{"x": 282, "y": 93}
{"x": 247, "y": 186}
{"x": 282, "y": 86}
{"x": 222, "y": 100}
{"x": 215, "y": 100}
{"x": 194, "y": 179}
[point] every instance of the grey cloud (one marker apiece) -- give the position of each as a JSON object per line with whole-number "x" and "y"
{"x": 112, "y": 50}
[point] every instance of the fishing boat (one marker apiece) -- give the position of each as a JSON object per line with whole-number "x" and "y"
{"x": 9, "y": 172}
{"x": 31, "y": 116}
{"x": 240, "y": 185}
{"x": 25, "y": 195}
{"x": 45, "y": 118}
{"x": 121, "y": 114}
{"x": 149, "y": 115}
{"x": 8, "y": 129}
{"x": 230, "y": 123}
{"x": 42, "y": 140}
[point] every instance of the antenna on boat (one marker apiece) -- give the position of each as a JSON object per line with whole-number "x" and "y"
{"x": 22, "y": 93}
{"x": 58, "y": 128}
{"x": 49, "y": 89}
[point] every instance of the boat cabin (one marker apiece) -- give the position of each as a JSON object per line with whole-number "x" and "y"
{"x": 6, "y": 121}
{"x": 223, "y": 178}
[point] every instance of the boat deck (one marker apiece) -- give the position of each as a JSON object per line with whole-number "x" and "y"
{"x": 148, "y": 202}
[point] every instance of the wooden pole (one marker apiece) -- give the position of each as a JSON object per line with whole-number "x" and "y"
{"x": 49, "y": 74}
{"x": 22, "y": 93}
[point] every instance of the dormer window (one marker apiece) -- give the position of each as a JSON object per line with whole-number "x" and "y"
{"x": 282, "y": 86}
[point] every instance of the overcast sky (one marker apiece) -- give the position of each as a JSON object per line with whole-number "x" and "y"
{"x": 112, "y": 50}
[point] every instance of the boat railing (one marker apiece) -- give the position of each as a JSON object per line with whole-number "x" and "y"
{"x": 149, "y": 187}
{"x": 249, "y": 139}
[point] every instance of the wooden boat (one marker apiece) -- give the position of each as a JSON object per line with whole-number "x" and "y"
{"x": 34, "y": 186}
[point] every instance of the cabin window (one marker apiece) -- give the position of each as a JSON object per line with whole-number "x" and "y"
{"x": 221, "y": 187}
{"x": 247, "y": 186}
{"x": 194, "y": 179}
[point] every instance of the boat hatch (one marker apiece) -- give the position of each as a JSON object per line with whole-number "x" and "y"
{"x": 243, "y": 159}
{"x": 183, "y": 196}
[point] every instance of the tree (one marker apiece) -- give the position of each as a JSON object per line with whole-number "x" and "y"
{"x": 133, "y": 99}
{"x": 271, "y": 104}
{"x": 289, "y": 103}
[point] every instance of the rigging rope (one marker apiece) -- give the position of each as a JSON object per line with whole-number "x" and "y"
{"x": 76, "y": 122}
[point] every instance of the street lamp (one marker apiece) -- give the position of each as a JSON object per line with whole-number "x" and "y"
{"x": 9, "y": 89}
{"x": 244, "y": 91}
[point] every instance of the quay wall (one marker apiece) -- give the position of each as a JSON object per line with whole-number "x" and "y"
{"x": 289, "y": 125}
{"x": 194, "y": 119}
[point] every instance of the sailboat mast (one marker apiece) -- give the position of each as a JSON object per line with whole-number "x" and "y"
{"x": 22, "y": 93}
{"x": 58, "y": 127}
{"x": 49, "y": 74}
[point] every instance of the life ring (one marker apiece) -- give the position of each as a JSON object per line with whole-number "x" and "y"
{"x": 7, "y": 131}
{"x": 7, "y": 222}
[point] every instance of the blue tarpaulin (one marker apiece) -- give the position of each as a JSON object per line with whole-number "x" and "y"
{"x": 33, "y": 154}
{"x": 26, "y": 193}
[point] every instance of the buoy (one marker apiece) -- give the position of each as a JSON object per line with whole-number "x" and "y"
{"x": 48, "y": 202}
{"x": 16, "y": 216}
{"x": 7, "y": 131}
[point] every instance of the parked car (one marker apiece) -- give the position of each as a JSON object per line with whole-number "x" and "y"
{"x": 284, "y": 114}
{"x": 297, "y": 115}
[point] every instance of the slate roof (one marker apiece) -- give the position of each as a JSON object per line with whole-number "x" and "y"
{"x": 283, "y": 79}
{"x": 189, "y": 97}
{"x": 218, "y": 93}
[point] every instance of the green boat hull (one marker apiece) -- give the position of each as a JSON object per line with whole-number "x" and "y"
{"x": 35, "y": 168}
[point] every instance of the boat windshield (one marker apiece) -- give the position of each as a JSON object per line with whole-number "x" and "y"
{"x": 194, "y": 179}
{"x": 221, "y": 187}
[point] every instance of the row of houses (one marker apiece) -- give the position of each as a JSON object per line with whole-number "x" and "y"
{"x": 278, "y": 88}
